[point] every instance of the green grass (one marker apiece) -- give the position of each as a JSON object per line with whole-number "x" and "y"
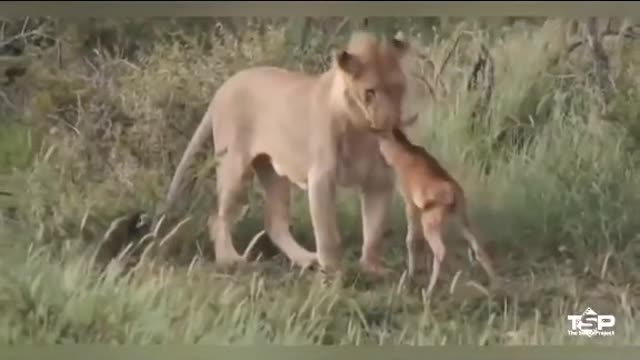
{"x": 558, "y": 213}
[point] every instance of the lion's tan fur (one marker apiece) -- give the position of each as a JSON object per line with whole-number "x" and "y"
{"x": 311, "y": 130}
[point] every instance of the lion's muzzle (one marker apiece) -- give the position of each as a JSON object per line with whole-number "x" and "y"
{"x": 401, "y": 123}
{"x": 409, "y": 121}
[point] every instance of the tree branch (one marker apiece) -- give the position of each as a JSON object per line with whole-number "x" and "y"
{"x": 601, "y": 60}
{"x": 627, "y": 34}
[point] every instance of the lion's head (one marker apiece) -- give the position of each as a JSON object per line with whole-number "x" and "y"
{"x": 374, "y": 82}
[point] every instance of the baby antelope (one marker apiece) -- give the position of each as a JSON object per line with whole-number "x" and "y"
{"x": 431, "y": 197}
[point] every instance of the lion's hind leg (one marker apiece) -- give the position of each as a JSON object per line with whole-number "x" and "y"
{"x": 276, "y": 213}
{"x": 233, "y": 174}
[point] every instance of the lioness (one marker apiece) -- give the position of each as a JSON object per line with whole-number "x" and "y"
{"x": 313, "y": 131}
{"x": 431, "y": 197}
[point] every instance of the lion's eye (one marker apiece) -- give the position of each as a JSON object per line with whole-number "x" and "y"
{"x": 369, "y": 94}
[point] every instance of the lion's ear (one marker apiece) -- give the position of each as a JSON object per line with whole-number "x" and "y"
{"x": 400, "y": 45}
{"x": 348, "y": 62}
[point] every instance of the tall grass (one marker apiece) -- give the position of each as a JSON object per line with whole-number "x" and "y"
{"x": 556, "y": 209}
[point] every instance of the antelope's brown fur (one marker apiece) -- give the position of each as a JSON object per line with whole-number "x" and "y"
{"x": 432, "y": 196}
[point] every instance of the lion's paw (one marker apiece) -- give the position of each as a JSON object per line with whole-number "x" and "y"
{"x": 307, "y": 260}
{"x": 230, "y": 262}
{"x": 375, "y": 269}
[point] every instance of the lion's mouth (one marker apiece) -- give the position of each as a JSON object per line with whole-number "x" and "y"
{"x": 376, "y": 130}
{"x": 409, "y": 121}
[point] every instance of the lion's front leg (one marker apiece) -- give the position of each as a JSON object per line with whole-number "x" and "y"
{"x": 322, "y": 206}
{"x": 375, "y": 202}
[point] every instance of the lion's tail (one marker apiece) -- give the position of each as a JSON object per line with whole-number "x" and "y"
{"x": 203, "y": 131}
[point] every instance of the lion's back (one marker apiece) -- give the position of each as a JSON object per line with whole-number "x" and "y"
{"x": 266, "y": 109}
{"x": 265, "y": 79}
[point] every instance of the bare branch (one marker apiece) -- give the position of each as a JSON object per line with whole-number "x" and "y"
{"x": 619, "y": 45}
{"x": 490, "y": 76}
{"x": 24, "y": 34}
{"x": 19, "y": 36}
{"x": 7, "y": 101}
{"x": 484, "y": 65}
{"x": 427, "y": 84}
{"x": 437, "y": 80}
{"x": 341, "y": 25}
{"x": 627, "y": 33}
{"x": 65, "y": 122}
{"x": 24, "y": 25}
{"x": 601, "y": 60}
{"x": 609, "y": 25}
{"x": 479, "y": 66}
{"x": 574, "y": 46}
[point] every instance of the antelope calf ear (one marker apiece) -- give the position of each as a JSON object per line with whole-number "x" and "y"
{"x": 348, "y": 63}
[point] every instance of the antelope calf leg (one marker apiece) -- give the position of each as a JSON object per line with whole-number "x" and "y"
{"x": 432, "y": 224}
{"x": 415, "y": 242}
{"x": 469, "y": 233}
